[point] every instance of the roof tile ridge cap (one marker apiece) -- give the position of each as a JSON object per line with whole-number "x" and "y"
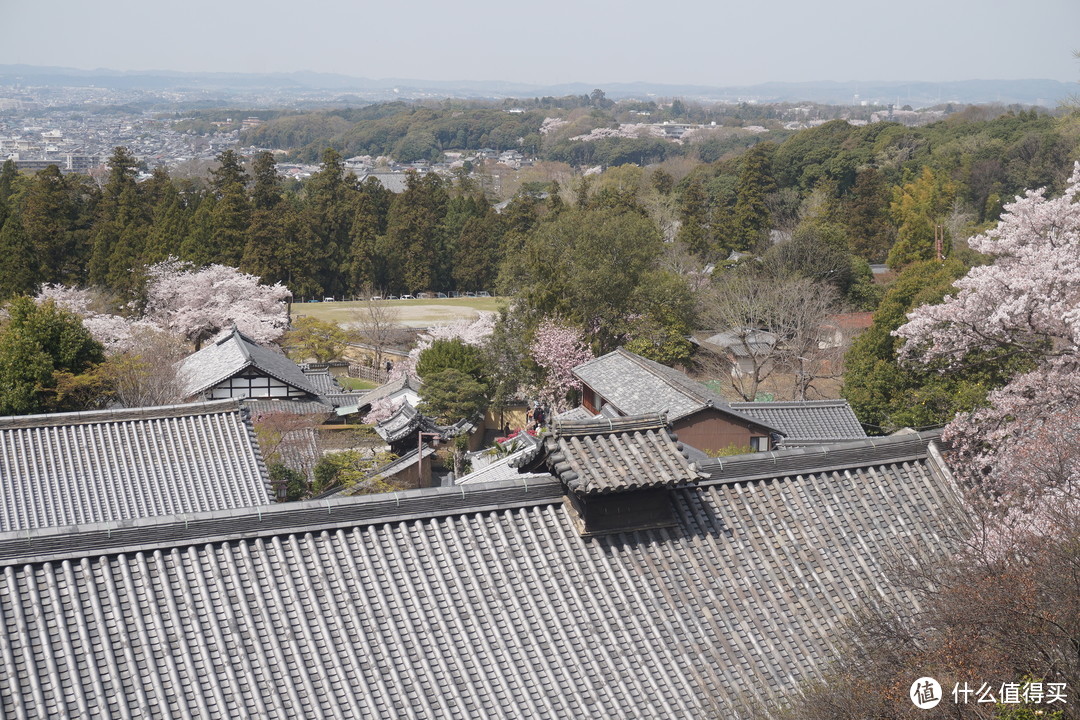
{"x": 87, "y": 417}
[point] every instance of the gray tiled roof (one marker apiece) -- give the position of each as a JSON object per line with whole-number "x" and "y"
{"x": 605, "y": 456}
{"x": 405, "y": 421}
{"x": 578, "y": 413}
{"x": 505, "y": 468}
{"x": 467, "y": 602}
{"x": 80, "y": 468}
{"x": 405, "y": 382}
{"x": 260, "y": 406}
{"x": 323, "y": 381}
{"x": 638, "y": 386}
{"x": 221, "y": 360}
{"x": 808, "y": 421}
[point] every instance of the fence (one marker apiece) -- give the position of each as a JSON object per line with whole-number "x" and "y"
{"x": 371, "y": 374}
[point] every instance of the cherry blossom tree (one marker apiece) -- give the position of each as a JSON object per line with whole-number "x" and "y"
{"x": 116, "y": 333}
{"x": 382, "y": 409}
{"x": 558, "y": 349}
{"x": 201, "y": 303}
{"x": 1025, "y": 304}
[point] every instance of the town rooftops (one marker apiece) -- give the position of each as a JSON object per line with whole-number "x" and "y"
{"x": 233, "y": 353}
{"x": 472, "y": 601}
{"x": 116, "y": 465}
{"x": 807, "y": 421}
{"x": 638, "y": 386}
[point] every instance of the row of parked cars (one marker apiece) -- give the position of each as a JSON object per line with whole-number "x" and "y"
{"x": 433, "y": 295}
{"x": 417, "y": 296}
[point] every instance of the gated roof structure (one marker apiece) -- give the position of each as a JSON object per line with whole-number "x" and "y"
{"x": 476, "y": 601}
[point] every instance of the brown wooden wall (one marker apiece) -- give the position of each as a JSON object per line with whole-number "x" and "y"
{"x": 711, "y": 430}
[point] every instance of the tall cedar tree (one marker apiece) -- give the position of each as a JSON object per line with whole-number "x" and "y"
{"x": 328, "y": 196}
{"x": 414, "y": 232}
{"x": 50, "y": 216}
{"x": 755, "y": 184}
{"x": 120, "y": 226}
{"x": 18, "y": 271}
{"x": 865, "y": 212}
{"x": 371, "y": 205}
{"x": 232, "y": 211}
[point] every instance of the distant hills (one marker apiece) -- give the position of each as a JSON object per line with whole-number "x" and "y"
{"x": 1048, "y": 93}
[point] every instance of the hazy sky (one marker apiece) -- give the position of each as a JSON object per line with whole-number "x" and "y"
{"x": 711, "y": 42}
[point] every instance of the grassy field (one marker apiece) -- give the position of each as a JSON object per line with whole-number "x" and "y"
{"x": 356, "y": 384}
{"x": 412, "y": 313}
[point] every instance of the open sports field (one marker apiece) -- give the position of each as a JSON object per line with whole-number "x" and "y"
{"x": 411, "y": 313}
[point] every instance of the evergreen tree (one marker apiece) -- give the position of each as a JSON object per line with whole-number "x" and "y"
{"x": 39, "y": 346}
{"x": 197, "y": 247}
{"x": 477, "y": 253}
{"x": 19, "y": 269}
{"x": 9, "y": 177}
{"x": 169, "y": 226}
{"x": 120, "y": 213}
{"x": 328, "y": 208}
{"x": 755, "y": 184}
{"x": 266, "y": 191}
{"x": 865, "y": 211}
{"x": 366, "y": 265}
{"x": 694, "y": 217}
{"x": 48, "y": 217}
{"x": 414, "y": 232}
{"x": 232, "y": 212}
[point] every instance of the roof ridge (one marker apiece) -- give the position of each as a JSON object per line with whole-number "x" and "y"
{"x": 823, "y": 402}
{"x": 810, "y": 459}
{"x": 21, "y": 547}
{"x": 574, "y": 428}
{"x": 88, "y": 417}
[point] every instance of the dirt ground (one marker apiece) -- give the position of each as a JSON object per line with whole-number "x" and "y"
{"x": 411, "y": 313}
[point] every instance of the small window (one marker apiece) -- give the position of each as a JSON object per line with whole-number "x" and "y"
{"x": 759, "y": 444}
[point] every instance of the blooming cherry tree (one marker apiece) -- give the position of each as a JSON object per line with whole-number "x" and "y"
{"x": 1026, "y": 303}
{"x": 201, "y": 303}
{"x": 116, "y": 333}
{"x": 558, "y": 349}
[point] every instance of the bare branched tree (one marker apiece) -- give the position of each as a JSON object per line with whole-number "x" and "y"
{"x": 377, "y": 324}
{"x": 147, "y": 375}
{"x": 771, "y": 325}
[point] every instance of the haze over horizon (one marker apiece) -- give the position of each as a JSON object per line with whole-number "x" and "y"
{"x": 561, "y": 42}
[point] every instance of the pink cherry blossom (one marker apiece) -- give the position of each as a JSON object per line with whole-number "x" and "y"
{"x": 1027, "y": 301}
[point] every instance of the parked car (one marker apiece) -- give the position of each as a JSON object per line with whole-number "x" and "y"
{"x": 483, "y": 293}
{"x": 454, "y": 294}
{"x": 376, "y": 297}
{"x": 392, "y": 297}
{"x": 470, "y": 293}
{"x": 408, "y": 297}
{"x": 440, "y": 295}
{"x": 328, "y": 299}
